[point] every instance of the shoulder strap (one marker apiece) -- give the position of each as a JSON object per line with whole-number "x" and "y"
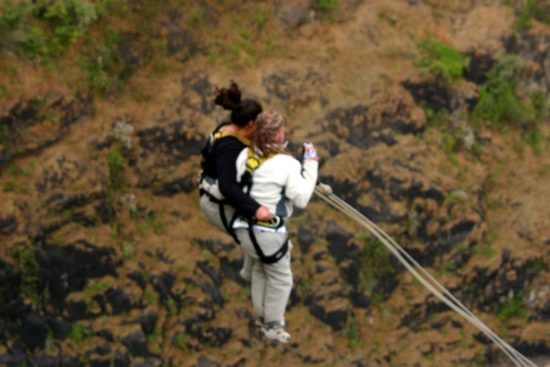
{"x": 222, "y": 134}
{"x": 253, "y": 162}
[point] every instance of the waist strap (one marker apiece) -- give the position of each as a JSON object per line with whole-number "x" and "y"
{"x": 271, "y": 259}
{"x": 228, "y": 225}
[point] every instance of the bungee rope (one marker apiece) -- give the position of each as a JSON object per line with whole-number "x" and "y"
{"x": 429, "y": 282}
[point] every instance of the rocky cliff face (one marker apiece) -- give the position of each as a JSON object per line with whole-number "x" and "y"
{"x": 106, "y": 259}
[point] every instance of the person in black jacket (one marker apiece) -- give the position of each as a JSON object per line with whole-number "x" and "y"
{"x": 222, "y": 197}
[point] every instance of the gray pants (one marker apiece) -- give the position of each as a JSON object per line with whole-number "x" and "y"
{"x": 212, "y": 212}
{"x": 271, "y": 283}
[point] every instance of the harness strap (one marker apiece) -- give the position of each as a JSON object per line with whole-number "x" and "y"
{"x": 254, "y": 161}
{"x": 221, "y": 207}
{"x": 271, "y": 259}
{"x": 221, "y": 134}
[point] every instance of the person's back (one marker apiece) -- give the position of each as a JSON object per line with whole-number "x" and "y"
{"x": 222, "y": 197}
{"x": 220, "y": 192}
{"x": 278, "y": 181}
{"x": 281, "y": 182}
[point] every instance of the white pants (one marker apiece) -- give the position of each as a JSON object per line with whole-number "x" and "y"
{"x": 212, "y": 212}
{"x": 271, "y": 283}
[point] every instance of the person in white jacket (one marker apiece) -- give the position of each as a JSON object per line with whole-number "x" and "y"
{"x": 278, "y": 181}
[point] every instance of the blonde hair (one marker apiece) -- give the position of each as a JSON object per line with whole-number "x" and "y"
{"x": 268, "y": 125}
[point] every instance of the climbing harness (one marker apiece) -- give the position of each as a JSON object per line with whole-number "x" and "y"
{"x": 325, "y": 193}
{"x": 206, "y": 165}
{"x": 253, "y": 161}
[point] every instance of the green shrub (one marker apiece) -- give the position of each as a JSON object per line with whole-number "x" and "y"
{"x": 533, "y": 137}
{"x": 181, "y": 340}
{"x": 26, "y": 262}
{"x": 259, "y": 18}
{"x": 19, "y": 35}
{"x": 352, "y": 332}
{"x": 512, "y": 308}
{"x": 80, "y": 333}
{"x": 116, "y": 162}
{"x": 68, "y": 19}
{"x": 373, "y": 264}
{"x": 540, "y": 103}
{"x": 442, "y": 61}
{"x": 498, "y": 101}
{"x": 104, "y": 69}
{"x": 326, "y": 8}
{"x": 97, "y": 286}
{"x": 44, "y": 28}
{"x": 532, "y": 9}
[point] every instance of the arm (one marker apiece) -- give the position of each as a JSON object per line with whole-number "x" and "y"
{"x": 301, "y": 182}
{"x": 227, "y": 152}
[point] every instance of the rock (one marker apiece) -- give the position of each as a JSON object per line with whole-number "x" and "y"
{"x": 59, "y": 327}
{"x": 491, "y": 288}
{"x": 445, "y": 240}
{"x": 210, "y": 272}
{"x": 309, "y": 359}
{"x": 103, "y": 349}
{"x": 297, "y": 87}
{"x": 121, "y": 359}
{"x": 204, "y": 361}
{"x": 294, "y": 15}
{"x": 422, "y": 313}
{"x": 469, "y": 139}
{"x": 8, "y": 225}
{"x": 169, "y": 145}
{"x": 61, "y": 359}
{"x": 213, "y": 291}
{"x": 438, "y": 96}
{"x": 339, "y": 244}
{"x": 148, "y": 362}
{"x": 137, "y": 344}
{"x": 100, "y": 362}
{"x": 147, "y": 321}
{"x": 68, "y": 268}
{"x": 328, "y": 301}
{"x": 305, "y": 238}
{"x": 480, "y": 64}
{"x": 178, "y": 185}
{"x": 77, "y": 310}
{"x": 120, "y": 302}
{"x": 25, "y": 116}
{"x": 536, "y": 48}
{"x": 128, "y": 201}
{"x": 208, "y": 335}
{"x": 180, "y": 39}
{"x": 163, "y": 284}
{"x": 12, "y": 359}
{"x": 123, "y": 131}
{"x": 139, "y": 278}
{"x": 34, "y": 330}
{"x": 336, "y": 318}
{"x": 133, "y": 51}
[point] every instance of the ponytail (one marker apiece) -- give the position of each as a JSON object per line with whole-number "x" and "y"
{"x": 242, "y": 111}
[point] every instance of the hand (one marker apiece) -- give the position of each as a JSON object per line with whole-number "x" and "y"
{"x": 263, "y": 214}
{"x": 310, "y": 152}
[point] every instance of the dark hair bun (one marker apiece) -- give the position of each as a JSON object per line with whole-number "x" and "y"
{"x": 229, "y": 98}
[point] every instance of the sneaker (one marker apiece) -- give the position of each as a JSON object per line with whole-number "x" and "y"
{"x": 245, "y": 274}
{"x": 275, "y": 331}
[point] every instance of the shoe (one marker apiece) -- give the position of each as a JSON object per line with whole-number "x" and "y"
{"x": 245, "y": 275}
{"x": 276, "y": 331}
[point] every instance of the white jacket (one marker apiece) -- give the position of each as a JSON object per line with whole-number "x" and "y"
{"x": 281, "y": 182}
